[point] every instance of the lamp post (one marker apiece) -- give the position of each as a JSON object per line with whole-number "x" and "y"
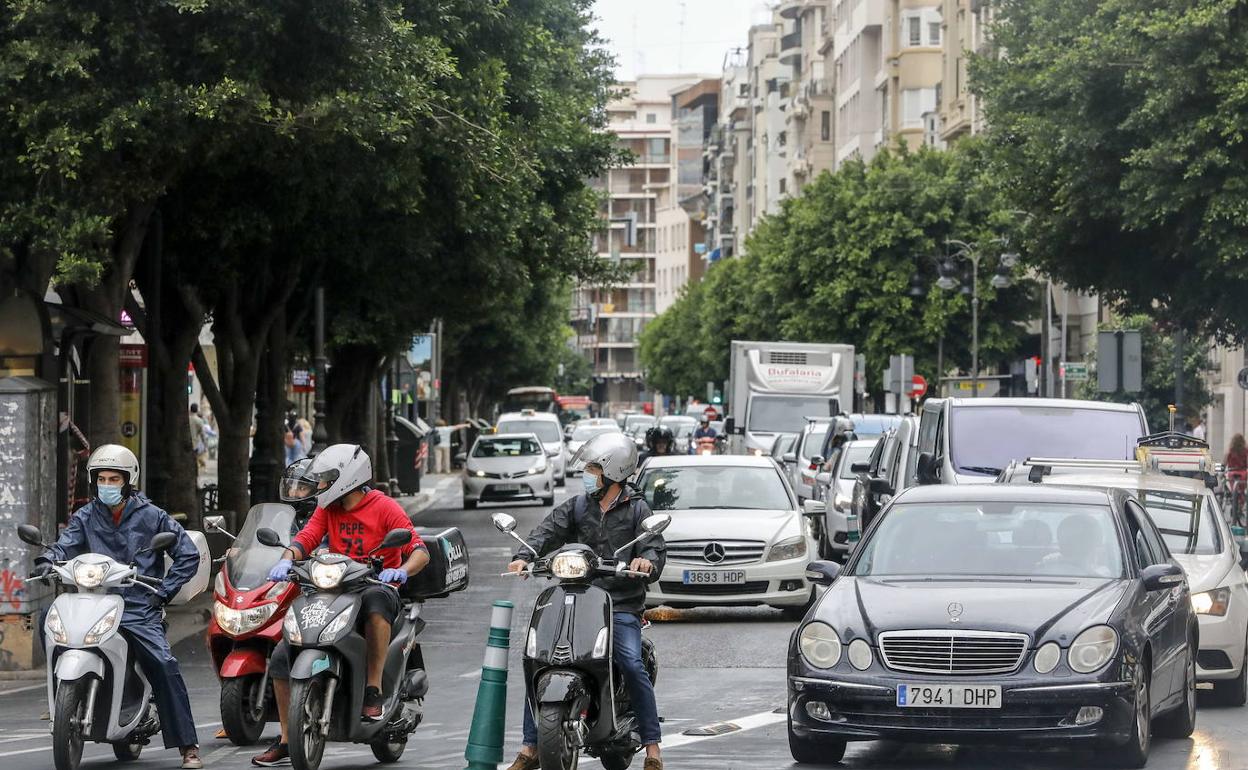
{"x": 320, "y": 436}
{"x": 392, "y": 437}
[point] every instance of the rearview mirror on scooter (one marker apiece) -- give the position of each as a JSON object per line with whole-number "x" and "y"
{"x": 395, "y": 538}
{"x": 217, "y": 524}
{"x": 650, "y": 526}
{"x": 30, "y": 534}
{"x": 504, "y": 523}
{"x": 266, "y": 536}
{"x": 161, "y": 542}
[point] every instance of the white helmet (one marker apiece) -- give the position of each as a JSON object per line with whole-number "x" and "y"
{"x": 614, "y": 452}
{"x": 337, "y": 470}
{"x": 114, "y": 457}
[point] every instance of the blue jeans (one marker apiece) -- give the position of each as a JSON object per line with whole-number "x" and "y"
{"x": 626, "y": 631}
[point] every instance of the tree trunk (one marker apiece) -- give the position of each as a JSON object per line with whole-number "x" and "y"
{"x": 352, "y": 380}
{"x": 268, "y": 455}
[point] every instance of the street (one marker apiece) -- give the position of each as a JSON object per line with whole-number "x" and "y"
{"x": 721, "y": 668}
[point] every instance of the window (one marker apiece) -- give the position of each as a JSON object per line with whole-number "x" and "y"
{"x": 652, "y": 117}
{"x": 914, "y": 27}
{"x": 825, "y": 126}
{"x": 933, "y": 33}
{"x": 782, "y": 186}
{"x": 915, "y": 103}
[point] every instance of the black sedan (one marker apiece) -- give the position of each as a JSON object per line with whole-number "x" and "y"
{"x": 998, "y": 614}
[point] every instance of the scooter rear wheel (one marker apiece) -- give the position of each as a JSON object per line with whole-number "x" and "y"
{"x": 388, "y": 751}
{"x": 127, "y": 752}
{"x": 242, "y": 711}
{"x": 68, "y": 713}
{"x": 555, "y": 747}
{"x": 307, "y": 741}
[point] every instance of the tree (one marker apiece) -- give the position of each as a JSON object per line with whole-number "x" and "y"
{"x": 1118, "y": 126}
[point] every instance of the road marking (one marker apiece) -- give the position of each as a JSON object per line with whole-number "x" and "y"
{"x": 751, "y": 722}
{"x": 220, "y": 753}
{"x": 471, "y": 675}
{"x": 44, "y": 748}
{"x": 40, "y": 686}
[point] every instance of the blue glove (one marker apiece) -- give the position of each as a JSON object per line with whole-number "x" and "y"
{"x": 393, "y": 576}
{"x": 280, "y": 571}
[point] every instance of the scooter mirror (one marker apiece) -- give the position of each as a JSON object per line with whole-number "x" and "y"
{"x": 29, "y": 533}
{"x": 162, "y": 541}
{"x": 504, "y": 523}
{"x": 266, "y": 536}
{"x": 214, "y": 523}
{"x": 656, "y": 523}
{"x": 396, "y": 538}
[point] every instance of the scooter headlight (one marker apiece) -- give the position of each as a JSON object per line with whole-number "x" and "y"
{"x": 327, "y": 576}
{"x": 102, "y": 628}
{"x": 238, "y": 622}
{"x": 90, "y": 575}
{"x": 570, "y": 565}
{"x": 290, "y": 627}
{"x": 337, "y": 626}
{"x": 55, "y": 628}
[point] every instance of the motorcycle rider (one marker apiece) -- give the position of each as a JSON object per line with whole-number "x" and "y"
{"x": 120, "y": 522}
{"x": 704, "y": 429}
{"x": 354, "y": 519}
{"x": 660, "y": 442}
{"x": 605, "y": 517}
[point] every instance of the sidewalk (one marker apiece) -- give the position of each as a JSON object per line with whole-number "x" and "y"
{"x": 432, "y": 486}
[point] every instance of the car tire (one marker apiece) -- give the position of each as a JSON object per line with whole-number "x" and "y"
{"x": 1181, "y": 722}
{"x": 1134, "y": 753}
{"x": 1233, "y": 692}
{"x": 548, "y": 500}
{"x": 825, "y": 751}
{"x": 470, "y": 505}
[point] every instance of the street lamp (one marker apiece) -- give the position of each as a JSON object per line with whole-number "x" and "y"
{"x": 947, "y": 269}
{"x": 320, "y": 434}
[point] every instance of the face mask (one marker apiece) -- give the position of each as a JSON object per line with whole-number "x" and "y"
{"x": 109, "y": 495}
{"x": 592, "y": 483}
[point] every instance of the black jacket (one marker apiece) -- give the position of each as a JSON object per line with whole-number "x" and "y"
{"x": 580, "y": 520}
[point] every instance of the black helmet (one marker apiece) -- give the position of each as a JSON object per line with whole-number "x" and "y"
{"x": 659, "y": 433}
{"x": 295, "y": 490}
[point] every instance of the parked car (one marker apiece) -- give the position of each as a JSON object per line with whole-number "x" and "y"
{"x": 1043, "y": 614}
{"x": 737, "y": 535}
{"x": 506, "y": 467}
{"x": 782, "y": 452}
{"x": 836, "y": 492}
{"x": 890, "y": 471}
{"x": 806, "y": 450}
{"x": 544, "y": 425}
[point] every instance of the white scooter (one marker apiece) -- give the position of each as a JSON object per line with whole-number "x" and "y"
{"x": 96, "y": 690}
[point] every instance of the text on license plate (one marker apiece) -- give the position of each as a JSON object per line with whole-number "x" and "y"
{"x": 506, "y": 487}
{"x": 708, "y": 577}
{"x": 949, "y": 696}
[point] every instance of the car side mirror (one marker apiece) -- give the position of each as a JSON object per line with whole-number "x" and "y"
{"x": 788, "y": 457}
{"x": 860, "y": 467}
{"x": 266, "y": 536}
{"x": 881, "y": 486}
{"x": 926, "y": 469}
{"x": 395, "y": 538}
{"x": 1161, "y": 577}
{"x": 1243, "y": 555}
{"x": 818, "y": 460}
{"x": 30, "y": 535}
{"x": 730, "y": 425}
{"x": 824, "y": 478}
{"x": 504, "y": 522}
{"x": 814, "y": 508}
{"x": 822, "y": 573}
{"x": 162, "y": 541}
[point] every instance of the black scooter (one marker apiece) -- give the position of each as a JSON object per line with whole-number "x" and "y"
{"x": 579, "y": 702}
{"x": 328, "y": 659}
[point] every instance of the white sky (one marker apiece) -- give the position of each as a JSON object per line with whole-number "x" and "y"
{"x": 646, "y": 35}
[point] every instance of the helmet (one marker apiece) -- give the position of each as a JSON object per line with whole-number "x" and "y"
{"x": 337, "y": 470}
{"x": 614, "y": 452}
{"x": 295, "y": 489}
{"x": 659, "y": 433}
{"x": 114, "y": 457}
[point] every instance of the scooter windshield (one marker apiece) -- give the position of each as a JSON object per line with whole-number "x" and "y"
{"x": 248, "y": 562}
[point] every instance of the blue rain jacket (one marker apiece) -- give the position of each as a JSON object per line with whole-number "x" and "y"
{"x": 91, "y": 530}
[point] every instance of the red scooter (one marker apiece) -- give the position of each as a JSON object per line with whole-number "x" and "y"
{"x": 247, "y": 621}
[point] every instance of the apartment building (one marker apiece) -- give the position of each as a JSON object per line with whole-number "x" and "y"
{"x": 966, "y": 23}
{"x": 726, "y": 157}
{"x": 809, "y": 138}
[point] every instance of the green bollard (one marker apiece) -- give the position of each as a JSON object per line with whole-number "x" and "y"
{"x": 489, "y": 717}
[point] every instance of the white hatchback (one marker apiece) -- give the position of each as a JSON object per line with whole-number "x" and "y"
{"x": 737, "y": 535}
{"x": 546, "y": 427}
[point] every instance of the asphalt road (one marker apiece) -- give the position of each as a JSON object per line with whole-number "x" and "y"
{"x": 715, "y": 666}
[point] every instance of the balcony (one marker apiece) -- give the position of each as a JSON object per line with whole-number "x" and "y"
{"x": 791, "y": 48}
{"x": 790, "y": 9}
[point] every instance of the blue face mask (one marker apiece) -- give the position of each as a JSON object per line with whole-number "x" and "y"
{"x": 109, "y": 495}
{"x": 592, "y": 483}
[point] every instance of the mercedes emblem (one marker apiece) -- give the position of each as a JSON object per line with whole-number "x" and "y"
{"x": 955, "y": 611}
{"x": 714, "y": 553}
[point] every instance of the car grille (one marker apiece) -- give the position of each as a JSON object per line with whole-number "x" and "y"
{"x": 952, "y": 652}
{"x": 673, "y": 588}
{"x": 508, "y": 475}
{"x": 733, "y": 551}
{"x": 1011, "y": 717}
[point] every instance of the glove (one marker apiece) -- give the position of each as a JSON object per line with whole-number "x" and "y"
{"x": 41, "y": 570}
{"x": 393, "y": 576}
{"x": 281, "y": 570}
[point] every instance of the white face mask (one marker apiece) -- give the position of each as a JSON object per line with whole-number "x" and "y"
{"x": 592, "y": 483}
{"x": 109, "y": 494}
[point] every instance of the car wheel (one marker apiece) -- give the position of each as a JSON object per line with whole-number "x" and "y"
{"x": 824, "y": 751}
{"x": 1134, "y": 753}
{"x": 548, "y": 500}
{"x": 470, "y": 505}
{"x": 1233, "y": 692}
{"x": 1180, "y": 722}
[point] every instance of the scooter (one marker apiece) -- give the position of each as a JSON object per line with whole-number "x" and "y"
{"x": 579, "y": 702}
{"x": 96, "y": 690}
{"x": 328, "y": 659}
{"x": 247, "y": 621}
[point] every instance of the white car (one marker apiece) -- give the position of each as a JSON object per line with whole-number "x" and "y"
{"x": 546, "y": 427}
{"x": 682, "y": 429}
{"x": 587, "y": 429}
{"x": 1198, "y": 536}
{"x": 505, "y": 467}
{"x": 737, "y": 536}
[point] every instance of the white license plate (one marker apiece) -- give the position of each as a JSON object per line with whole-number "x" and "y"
{"x": 706, "y": 577}
{"x": 506, "y": 487}
{"x": 949, "y": 696}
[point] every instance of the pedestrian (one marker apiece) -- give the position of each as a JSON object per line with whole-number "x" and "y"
{"x": 306, "y": 427}
{"x": 442, "y": 445}
{"x": 199, "y": 439}
{"x": 1198, "y": 427}
{"x": 293, "y": 438}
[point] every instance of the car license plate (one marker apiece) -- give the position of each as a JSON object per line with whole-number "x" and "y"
{"x": 949, "y": 696}
{"x": 506, "y": 487}
{"x": 707, "y": 577}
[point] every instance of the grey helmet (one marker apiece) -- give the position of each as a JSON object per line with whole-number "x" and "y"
{"x": 614, "y": 452}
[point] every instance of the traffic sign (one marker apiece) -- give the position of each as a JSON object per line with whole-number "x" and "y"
{"x": 1243, "y": 378}
{"x": 920, "y": 386}
{"x": 1075, "y": 371}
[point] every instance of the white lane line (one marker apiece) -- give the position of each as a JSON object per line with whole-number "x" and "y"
{"x": 221, "y": 753}
{"x": 44, "y": 748}
{"x": 471, "y": 675}
{"x": 751, "y": 722}
{"x": 40, "y": 686}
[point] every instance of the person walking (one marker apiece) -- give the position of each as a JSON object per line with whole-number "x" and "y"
{"x": 199, "y": 439}
{"x": 442, "y": 445}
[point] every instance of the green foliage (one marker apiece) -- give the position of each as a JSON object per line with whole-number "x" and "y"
{"x": 1119, "y": 125}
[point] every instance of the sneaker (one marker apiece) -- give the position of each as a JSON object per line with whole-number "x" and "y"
{"x": 276, "y": 754}
{"x": 525, "y": 762}
{"x": 372, "y": 704}
{"x": 652, "y": 764}
{"x": 190, "y": 759}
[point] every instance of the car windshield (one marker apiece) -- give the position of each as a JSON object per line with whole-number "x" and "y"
{"x": 814, "y": 440}
{"x": 506, "y": 447}
{"x": 874, "y": 425}
{"x": 681, "y": 428}
{"x": 1004, "y": 539}
{"x": 247, "y": 562}
{"x": 634, "y": 420}
{"x": 787, "y": 414}
{"x": 693, "y": 487}
{"x": 859, "y": 453}
{"x": 985, "y": 439}
{"x": 585, "y": 433}
{"x": 546, "y": 430}
{"x": 1186, "y": 522}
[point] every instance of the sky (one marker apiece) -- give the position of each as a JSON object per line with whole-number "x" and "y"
{"x": 646, "y": 35}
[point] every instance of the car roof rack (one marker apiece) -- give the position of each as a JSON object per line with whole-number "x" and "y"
{"x": 1039, "y": 467}
{"x": 1176, "y": 453}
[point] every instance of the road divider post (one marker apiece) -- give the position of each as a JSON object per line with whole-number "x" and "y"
{"x": 489, "y": 716}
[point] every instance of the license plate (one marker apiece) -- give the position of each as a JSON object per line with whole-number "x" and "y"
{"x": 706, "y": 577}
{"x": 949, "y": 696}
{"x": 506, "y": 487}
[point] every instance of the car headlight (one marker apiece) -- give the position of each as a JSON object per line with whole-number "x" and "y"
{"x": 536, "y": 469}
{"x": 820, "y": 645}
{"x": 238, "y": 622}
{"x": 90, "y": 575}
{"x": 290, "y": 627}
{"x": 1215, "y": 602}
{"x": 326, "y": 576}
{"x": 756, "y": 452}
{"x": 1093, "y": 649}
{"x": 792, "y": 548}
{"x": 337, "y": 625}
{"x": 479, "y": 474}
{"x": 569, "y": 565}
{"x": 53, "y": 625}
{"x": 860, "y": 654}
{"x": 102, "y": 628}
{"x": 1047, "y": 657}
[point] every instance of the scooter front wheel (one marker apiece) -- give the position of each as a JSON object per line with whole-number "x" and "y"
{"x": 68, "y": 713}
{"x": 307, "y": 740}
{"x": 127, "y": 752}
{"x": 556, "y": 748}
{"x": 388, "y": 751}
{"x": 242, "y": 709}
